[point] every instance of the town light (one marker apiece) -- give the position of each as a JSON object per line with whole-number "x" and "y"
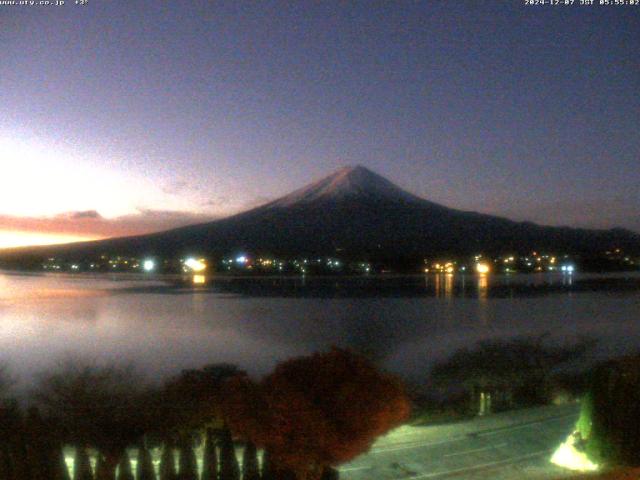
{"x": 482, "y": 268}
{"x": 195, "y": 265}
{"x": 148, "y": 265}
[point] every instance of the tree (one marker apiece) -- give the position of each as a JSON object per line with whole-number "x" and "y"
{"x": 124, "y": 467}
{"x": 317, "y": 411}
{"x": 229, "y": 469}
{"x": 515, "y": 370}
{"x": 187, "y": 403}
{"x": 102, "y": 469}
{"x": 16, "y": 442}
{"x": 196, "y": 392}
{"x": 100, "y": 406}
{"x": 60, "y": 469}
{"x": 39, "y": 445}
{"x": 188, "y": 463}
{"x": 144, "y": 467}
{"x": 167, "y": 464}
{"x": 610, "y": 418}
{"x": 209, "y": 458}
{"x": 250, "y": 469}
{"x": 81, "y": 465}
{"x": 273, "y": 472}
{"x": 5, "y": 466}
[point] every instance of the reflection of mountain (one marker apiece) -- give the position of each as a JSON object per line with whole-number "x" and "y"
{"x": 355, "y": 212}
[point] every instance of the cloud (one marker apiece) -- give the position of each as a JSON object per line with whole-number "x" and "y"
{"x": 91, "y": 224}
{"x": 91, "y": 214}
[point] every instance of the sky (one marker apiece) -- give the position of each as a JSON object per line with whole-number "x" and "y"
{"x": 118, "y": 118}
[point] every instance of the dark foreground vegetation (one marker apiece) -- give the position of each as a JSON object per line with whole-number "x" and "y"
{"x": 521, "y": 372}
{"x": 607, "y": 433}
{"x": 504, "y": 374}
{"x": 609, "y": 426}
{"x": 309, "y": 415}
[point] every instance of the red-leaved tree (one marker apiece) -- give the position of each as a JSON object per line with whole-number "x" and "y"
{"x": 317, "y": 411}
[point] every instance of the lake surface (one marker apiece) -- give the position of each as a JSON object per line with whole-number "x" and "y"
{"x": 406, "y": 322}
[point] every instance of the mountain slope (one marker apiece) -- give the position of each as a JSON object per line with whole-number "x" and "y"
{"x": 354, "y": 213}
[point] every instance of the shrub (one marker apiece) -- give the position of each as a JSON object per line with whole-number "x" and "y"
{"x": 514, "y": 371}
{"x": 317, "y": 411}
{"x": 613, "y": 405}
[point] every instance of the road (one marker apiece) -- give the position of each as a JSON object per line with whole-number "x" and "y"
{"x": 507, "y": 446}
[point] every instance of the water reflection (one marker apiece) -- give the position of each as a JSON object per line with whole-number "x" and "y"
{"x": 443, "y": 285}
{"x": 448, "y": 285}
{"x": 168, "y": 328}
{"x": 483, "y": 287}
{"x": 483, "y": 295}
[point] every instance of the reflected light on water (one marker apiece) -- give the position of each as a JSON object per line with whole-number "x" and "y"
{"x": 483, "y": 295}
{"x": 448, "y": 285}
{"x": 443, "y": 285}
{"x": 166, "y": 328}
{"x": 34, "y": 295}
{"x": 483, "y": 287}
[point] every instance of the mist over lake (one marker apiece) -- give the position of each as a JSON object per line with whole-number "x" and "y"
{"x": 254, "y": 323}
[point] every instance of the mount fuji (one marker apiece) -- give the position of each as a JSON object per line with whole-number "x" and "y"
{"x": 353, "y": 213}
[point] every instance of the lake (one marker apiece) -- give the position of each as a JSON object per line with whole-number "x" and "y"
{"x": 165, "y": 324}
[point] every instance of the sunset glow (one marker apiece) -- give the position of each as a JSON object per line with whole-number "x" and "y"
{"x": 33, "y": 171}
{"x": 9, "y": 239}
{"x": 56, "y": 194}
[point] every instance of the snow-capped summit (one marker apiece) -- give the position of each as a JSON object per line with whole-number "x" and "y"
{"x": 345, "y": 183}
